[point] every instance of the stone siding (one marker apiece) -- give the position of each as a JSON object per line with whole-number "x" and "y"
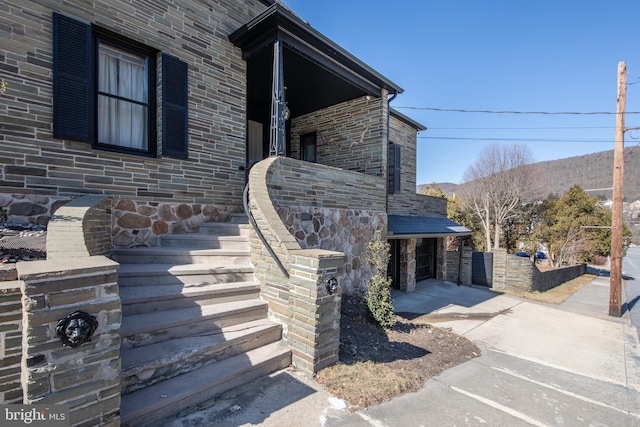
{"x": 520, "y": 274}
{"x": 10, "y": 341}
{"x": 407, "y": 203}
{"x": 87, "y": 377}
{"x": 140, "y": 223}
{"x": 34, "y": 164}
{"x": 350, "y": 136}
{"x": 343, "y": 230}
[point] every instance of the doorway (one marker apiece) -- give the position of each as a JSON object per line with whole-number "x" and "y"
{"x": 425, "y": 258}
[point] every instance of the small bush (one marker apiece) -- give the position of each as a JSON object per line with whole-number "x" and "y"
{"x": 378, "y": 293}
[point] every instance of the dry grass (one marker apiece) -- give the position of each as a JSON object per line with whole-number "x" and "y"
{"x": 368, "y": 383}
{"x": 378, "y": 364}
{"x": 558, "y": 294}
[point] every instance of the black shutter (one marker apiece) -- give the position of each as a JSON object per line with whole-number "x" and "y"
{"x": 72, "y": 71}
{"x": 174, "y": 107}
{"x": 397, "y": 167}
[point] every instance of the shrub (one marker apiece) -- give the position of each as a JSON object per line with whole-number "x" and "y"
{"x": 378, "y": 293}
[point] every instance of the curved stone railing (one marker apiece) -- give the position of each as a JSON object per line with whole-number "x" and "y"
{"x": 80, "y": 228}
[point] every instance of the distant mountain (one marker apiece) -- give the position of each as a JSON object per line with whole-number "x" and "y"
{"x": 591, "y": 171}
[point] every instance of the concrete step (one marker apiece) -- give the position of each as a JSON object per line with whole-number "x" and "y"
{"x": 160, "y": 401}
{"x": 225, "y": 228}
{"x": 239, "y": 218}
{"x": 148, "y": 365}
{"x": 148, "y": 328}
{"x": 147, "y": 299}
{"x": 203, "y": 241}
{"x": 177, "y": 256}
{"x": 169, "y": 274}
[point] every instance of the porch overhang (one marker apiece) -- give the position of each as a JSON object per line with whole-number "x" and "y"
{"x": 317, "y": 72}
{"x": 411, "y": 227}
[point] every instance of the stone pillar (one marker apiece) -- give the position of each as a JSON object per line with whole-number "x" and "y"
{"x": 499, "y": 274}
{"x": 314, "y": 326}
{"x": 86, "y": 377}
{"x": 408, "y": 265}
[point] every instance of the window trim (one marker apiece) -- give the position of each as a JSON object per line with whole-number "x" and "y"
{"x": 101, "y": 35}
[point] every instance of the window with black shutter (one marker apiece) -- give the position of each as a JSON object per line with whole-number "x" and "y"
{"x": 394, "y": 168}
{"x": 174, "y": 107}
{"x": 104, "y": 92}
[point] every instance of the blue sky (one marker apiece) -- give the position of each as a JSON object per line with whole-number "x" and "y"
{"x": 542, "y": 55}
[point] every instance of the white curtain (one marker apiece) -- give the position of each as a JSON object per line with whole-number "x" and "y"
{"x": 122, "y": 122}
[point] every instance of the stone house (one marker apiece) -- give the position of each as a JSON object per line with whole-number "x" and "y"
{"x": 134, "y": 129}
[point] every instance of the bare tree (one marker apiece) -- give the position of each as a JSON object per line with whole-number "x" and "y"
{"x": 500, "y": 180}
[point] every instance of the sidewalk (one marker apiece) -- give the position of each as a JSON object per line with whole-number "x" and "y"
{"x": 541, "y": 365}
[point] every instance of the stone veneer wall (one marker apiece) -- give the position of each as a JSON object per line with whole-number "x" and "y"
{"x": 139, "y": 223}
{"x": 344, "y": 230}
{"x": 350, "y": 135}
{"x": 30, "y": 208}
{"x": 417, "y": 205}
{"x": 34, "y": 165}
{"x": 10, "y": 341}
{"x": 327, "y": 208}
{"x": 520, "y": 274}
{"x": 298, "y": 297}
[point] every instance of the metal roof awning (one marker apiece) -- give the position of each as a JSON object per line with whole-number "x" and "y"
{"x": 405, "y": 227}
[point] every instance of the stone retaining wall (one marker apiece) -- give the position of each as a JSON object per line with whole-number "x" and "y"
{"x": 520, "y": 274}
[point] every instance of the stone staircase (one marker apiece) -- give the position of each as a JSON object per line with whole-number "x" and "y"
{"x": 193, "y": 324}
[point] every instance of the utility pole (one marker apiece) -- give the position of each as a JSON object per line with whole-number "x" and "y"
{"x": 615, "y": 278}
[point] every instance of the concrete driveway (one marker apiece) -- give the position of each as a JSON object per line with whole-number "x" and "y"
{"x": 541, "y": 365}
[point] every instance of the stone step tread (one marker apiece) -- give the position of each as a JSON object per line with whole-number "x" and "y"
{"x": 176, "y": 251}
{"x": 134, "y": 359}
{"x": 157, "y": 400}
{"x": 159, "y": 320}
{"x": 177, "y": 269}
{"x": 239, "y": 225}
{"x": 198, "y": 236}
{"x": 145, "y": 293}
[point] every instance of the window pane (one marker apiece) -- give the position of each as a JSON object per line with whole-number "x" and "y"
{"x": 123, "y": 98}
{"x": 123, "y": 74}
{"x": 122, "y": 123}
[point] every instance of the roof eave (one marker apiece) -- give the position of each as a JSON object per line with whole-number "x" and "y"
{"x": 280, "y": 18}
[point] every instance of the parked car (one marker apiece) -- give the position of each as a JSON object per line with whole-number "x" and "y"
{"x": 541, "y": 255}
{"x": 522, "y": 254}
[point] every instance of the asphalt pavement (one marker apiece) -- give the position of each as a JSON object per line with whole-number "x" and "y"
{"x": 541, "y": 365}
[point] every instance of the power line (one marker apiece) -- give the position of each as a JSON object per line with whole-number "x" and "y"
{"x": 575, "y": 113}
{"x": 527, "y": 128}
{"x": 513, "y": 139}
